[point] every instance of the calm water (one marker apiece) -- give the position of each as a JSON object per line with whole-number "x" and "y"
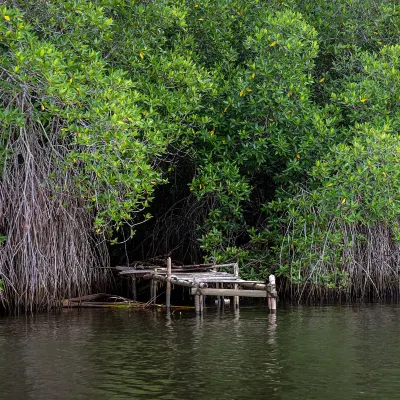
{"x": 302, "y": 353}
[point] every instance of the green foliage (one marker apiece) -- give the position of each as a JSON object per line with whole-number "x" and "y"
{"x": 351, "y": 199}
{"x": 356, "y": 186}
{"x": 284, "y": 116}
{"x": 260, "y": 100}
{"x": 94, "y": 109}
{"x": 368, "y": 24}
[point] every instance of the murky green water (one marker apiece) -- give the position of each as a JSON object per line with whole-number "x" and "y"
{"x": 302, "y": 353}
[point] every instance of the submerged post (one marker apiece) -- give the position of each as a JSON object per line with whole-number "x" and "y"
{"x": 134, "y": 288}
{"x": 201, "y": 301}
{"x": 197, "y": 303}
{"x": 219, "y": 297}
{"x": 153, "y": 291}
{"x": 236, "y": 298}
{"x": 168, "y": 290}
{"x": 272, "y": 294}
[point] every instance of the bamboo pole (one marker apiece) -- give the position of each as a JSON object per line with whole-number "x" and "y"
{"x": 168, "y": 290}
{"x": 271, "y": 298}
{"x": 236, "y": 298}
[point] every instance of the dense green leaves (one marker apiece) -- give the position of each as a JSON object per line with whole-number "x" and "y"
{"x": 281, "y": 116}
{"x": 95, "y": 110}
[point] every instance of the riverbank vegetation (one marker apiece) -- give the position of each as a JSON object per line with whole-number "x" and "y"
{"x": 264, "y": 132}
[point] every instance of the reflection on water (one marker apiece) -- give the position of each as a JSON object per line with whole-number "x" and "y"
{"x": 300, "y": 353}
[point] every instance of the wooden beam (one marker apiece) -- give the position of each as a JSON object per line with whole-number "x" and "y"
{"x": 255, "y": 286}
{"x": 228, "y": 292}
{"x": 175, "y": 281}
{"x": 135, "y": 271}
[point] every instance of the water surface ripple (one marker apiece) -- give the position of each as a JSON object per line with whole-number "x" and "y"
{"x": 346, "y": 352}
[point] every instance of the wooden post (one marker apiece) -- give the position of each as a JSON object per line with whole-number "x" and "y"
{"x": 197, "y": 303}
{"x": 219, "y": 297}
{"x": 271, "y": 299}
{"x": 151, "y": 290}
{"x": 222, "y": 297}
{"x": 168, "y": 290}
{"x": 201, "y": 300}
{"x": 154, "y": 291}
{"x": 134, "y": 290}
{"x": 236, "y": 298}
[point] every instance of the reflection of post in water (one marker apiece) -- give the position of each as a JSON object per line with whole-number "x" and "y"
{"x": 198, "y": 331}
{"x": 168, "y": 317}
{"x": 236, "y": 313}
{"x": 272, "y": 325}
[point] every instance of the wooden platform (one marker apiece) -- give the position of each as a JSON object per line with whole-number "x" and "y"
{"x": 204, "y": 280}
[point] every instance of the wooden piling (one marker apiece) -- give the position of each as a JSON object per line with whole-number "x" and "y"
{"x": 154, "y": 291}
{"x": 197, "y": 303}
{"x": 151, "y": 290}
{"x": 201, "y": 300}
{"x": 236, "y": 298}
{"x": 168, "y": 289}
{"x": 134, "y": 288}
{"x": 219, "y": 297}
{"x": 271, "y": 298}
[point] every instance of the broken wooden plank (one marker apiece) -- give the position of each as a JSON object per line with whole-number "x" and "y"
{"x": 176, "y": 281}
{"x": 136, "y": 272}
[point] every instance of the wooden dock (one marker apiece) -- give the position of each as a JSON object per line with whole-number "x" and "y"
{"x": 204, "y": 280}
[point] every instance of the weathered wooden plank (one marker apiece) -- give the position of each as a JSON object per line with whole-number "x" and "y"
{"x": 135, "y": 267}
{"x": 211, "y": 280}
{"x": 174, "y": 267}
{"x": 175, "y": 281}
{"x": 135, "y": 271}
{"x": 122, "y": 268}
{"x": 255, "y": 286}
{"x": 228, "y": 292}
